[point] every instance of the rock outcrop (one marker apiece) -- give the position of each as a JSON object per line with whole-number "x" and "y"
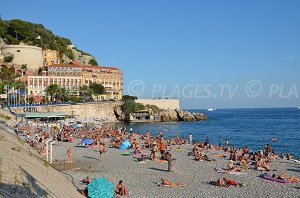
{"x": 180, "y": 115}
{"x": 119, "y": 113}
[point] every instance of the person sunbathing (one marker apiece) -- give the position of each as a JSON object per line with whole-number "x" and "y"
{"x": 199, "y": 157}
{"x": 284, "y": 176}
{"x": 166, "y": 182}
{"x": 226, "y": 182}
{"x": 142, "y": 159}
{"x": 230, "y": 167}
{"x": 121, "y": 189}
{"x": 262, "y": 166}
{"x": 290, "y": 156}
{"x": 87, "y": 180}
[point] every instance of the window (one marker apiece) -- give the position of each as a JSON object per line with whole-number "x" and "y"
{"x": 18, "y": 50}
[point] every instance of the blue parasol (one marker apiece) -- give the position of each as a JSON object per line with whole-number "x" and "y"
{"x": 100, "y": 188}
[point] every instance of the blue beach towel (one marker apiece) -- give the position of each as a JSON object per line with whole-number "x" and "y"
{"x": 100, "y": 188}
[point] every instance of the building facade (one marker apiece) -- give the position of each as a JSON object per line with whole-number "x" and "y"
{"x": 73, "y": 76}
{"x": 50, "y": 57}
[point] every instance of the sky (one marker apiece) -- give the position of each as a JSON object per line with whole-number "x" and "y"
{"x": 209, "y": 54}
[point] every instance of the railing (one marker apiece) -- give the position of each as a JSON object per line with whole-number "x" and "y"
{"x": 54, "y": 103}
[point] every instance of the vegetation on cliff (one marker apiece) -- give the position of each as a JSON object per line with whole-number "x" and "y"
{"x": 16, "y": 30}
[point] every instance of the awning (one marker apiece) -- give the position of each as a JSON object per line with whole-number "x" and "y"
{"x": 46, "y": 115}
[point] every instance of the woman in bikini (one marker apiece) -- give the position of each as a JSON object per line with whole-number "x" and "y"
{"x": 121, "y": 189}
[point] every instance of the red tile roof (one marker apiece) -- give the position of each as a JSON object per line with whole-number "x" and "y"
{"x": 83, "y": 66}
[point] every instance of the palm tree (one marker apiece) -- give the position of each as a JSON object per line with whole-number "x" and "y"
{"x": 85, "y": 91}
{"x": 62, "y": 94}
{"x": 52, "y": 90}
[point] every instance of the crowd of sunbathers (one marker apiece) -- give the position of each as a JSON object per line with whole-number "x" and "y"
{"x": 240, "y": 159}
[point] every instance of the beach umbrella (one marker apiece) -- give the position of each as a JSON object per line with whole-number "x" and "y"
{"x": 125, "y": 145}
{"x": 100, "y": 187}
{"x": 87, "y": 141}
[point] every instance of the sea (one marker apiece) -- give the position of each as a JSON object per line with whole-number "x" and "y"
{"x": 242, "y": 127}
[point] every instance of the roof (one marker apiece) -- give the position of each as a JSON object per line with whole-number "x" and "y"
{"x": 75, "y": 64}
{"x": 46, "y": 115}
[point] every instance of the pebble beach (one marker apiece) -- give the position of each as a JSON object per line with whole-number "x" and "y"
{"x": 142, "y": 179}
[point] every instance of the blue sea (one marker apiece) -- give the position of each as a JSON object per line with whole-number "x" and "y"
{"x": 242, "y": 127}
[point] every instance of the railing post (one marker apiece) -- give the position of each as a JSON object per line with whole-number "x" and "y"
{"x": 50, "y": 162}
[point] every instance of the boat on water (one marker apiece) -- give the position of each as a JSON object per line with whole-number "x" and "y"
{"x": 211, "y": 109}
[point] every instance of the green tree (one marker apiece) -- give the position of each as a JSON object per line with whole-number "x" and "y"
{"x": 53, "y": 91}
{"x": 154, "y": 108}
{"x": 97, "y": 89}
{"x": 62, "y": 94}
{"x": 93, "y": 62}
{"x": 131, "y": 106}
{"x": 85, "y": 91}
{"x": 7, "y": 74}
{"x": 128, "y": 97}
{"x": 24, "y": 66}
{"x": 8, "y": 59}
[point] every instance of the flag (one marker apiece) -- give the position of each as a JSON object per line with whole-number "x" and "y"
{"x": 39, "y": 37}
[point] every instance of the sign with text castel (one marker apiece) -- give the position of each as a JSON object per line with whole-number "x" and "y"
{"x": 3, "y": 96}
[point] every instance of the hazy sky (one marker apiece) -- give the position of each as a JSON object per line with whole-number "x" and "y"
{"x": 207, "y": 53}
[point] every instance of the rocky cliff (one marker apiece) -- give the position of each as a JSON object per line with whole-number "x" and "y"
{"x": 166, "y": 115}
{"x": 180, "y": 115}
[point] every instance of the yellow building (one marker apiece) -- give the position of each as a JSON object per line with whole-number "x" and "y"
{"x": 50, "y": 57}
{"x": 109, "y": 77}
{"x": 72, "y": 76}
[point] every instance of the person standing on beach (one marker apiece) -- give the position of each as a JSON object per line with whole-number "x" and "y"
{"x": 190, "y": 138}
{"x": 162, "y": 147}
{"x": 226, "y": 142}
{"x": 101, "y": 150}
{"x": 69, "y": 152}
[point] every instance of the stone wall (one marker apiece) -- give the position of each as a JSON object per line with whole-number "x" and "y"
{"x": 87, "y": 110}
{"x": 23, "y": 54}
{"x": 161, "y": 103}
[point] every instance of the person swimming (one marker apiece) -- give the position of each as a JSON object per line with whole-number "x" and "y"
{"x": 274, "y": 139}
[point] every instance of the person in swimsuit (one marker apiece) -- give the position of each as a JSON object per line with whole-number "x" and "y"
{"x": 166, "y": 182}
{"x": 121, "y": 189}
{"x": 101, "y": 150}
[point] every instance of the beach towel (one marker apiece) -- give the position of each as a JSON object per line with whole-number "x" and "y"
{"x": 219, "y": 155}
{"x": 126, "y": 153}
{"x": 100, "y": 187}
{"x": 238, "y": 173}
{"x": 179, "y": 149}
{"x": 269, "y": 177}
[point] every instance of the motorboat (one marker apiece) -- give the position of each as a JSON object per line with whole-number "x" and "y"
{"x": 211, "y": 109}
